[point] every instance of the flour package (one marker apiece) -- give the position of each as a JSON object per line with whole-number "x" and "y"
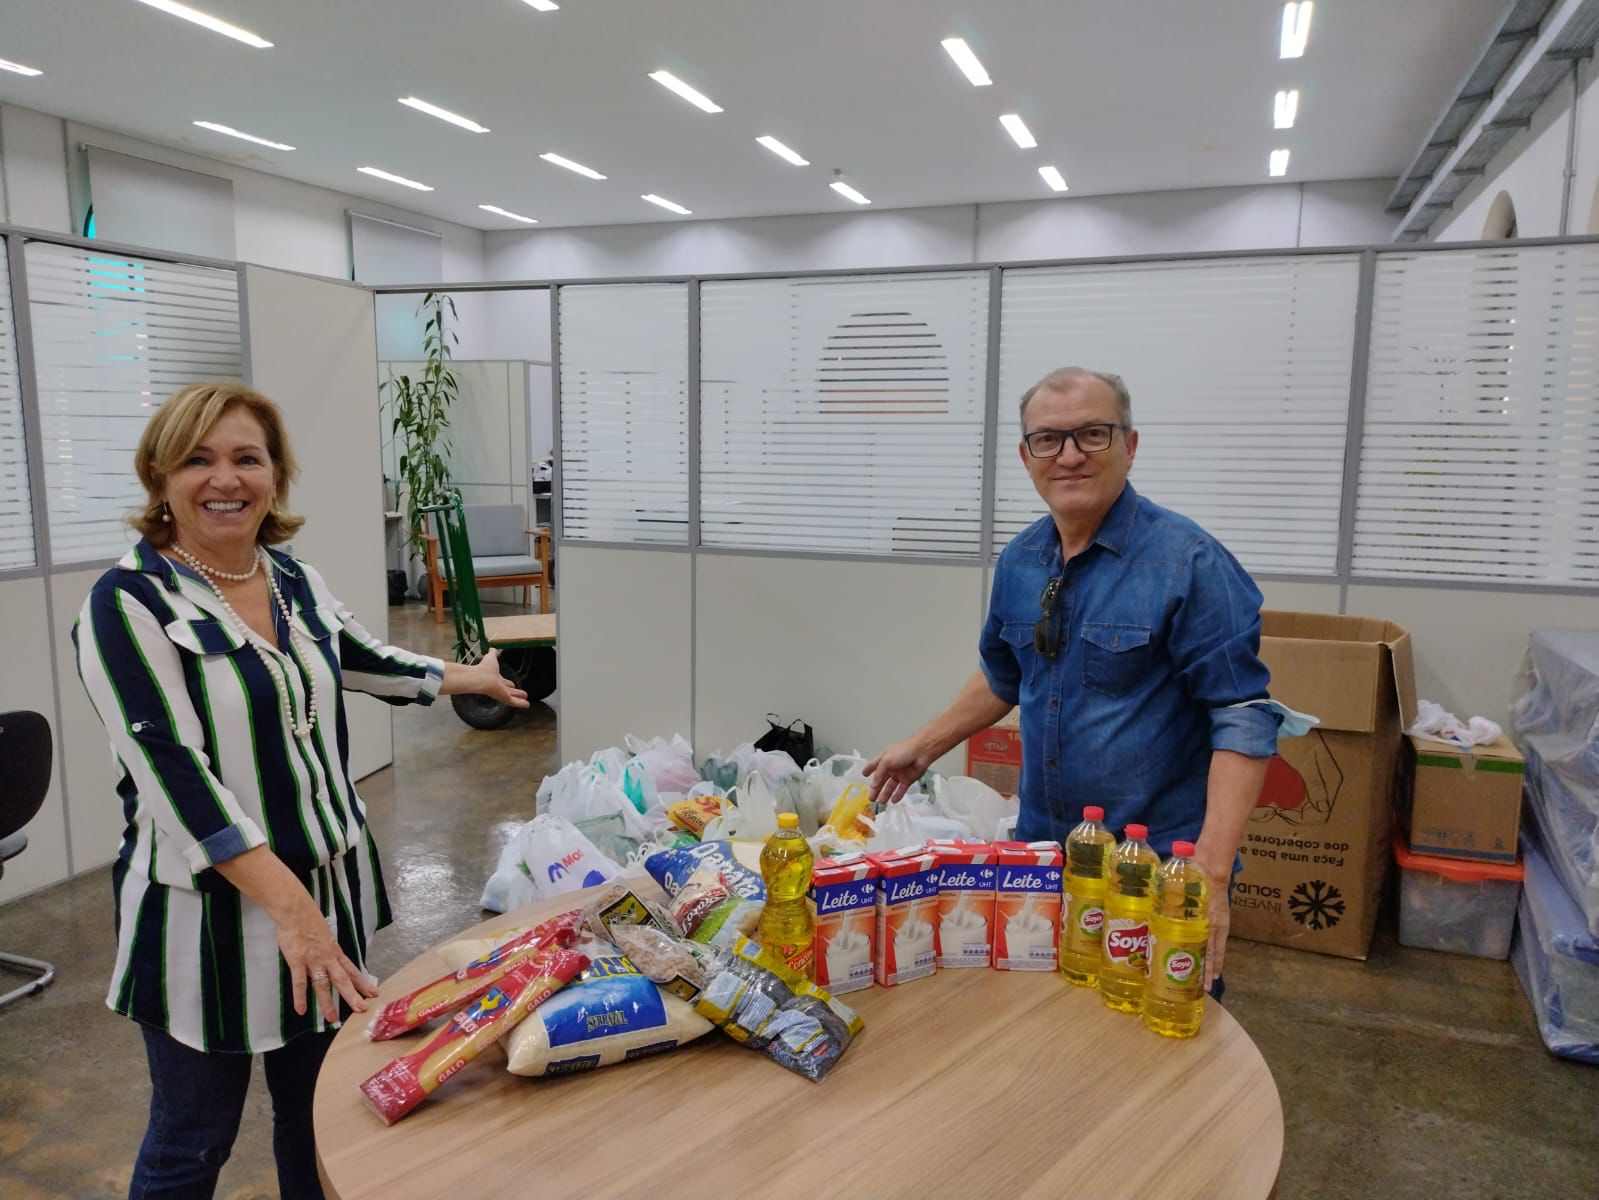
{"x": 611, "y": 1014}
{"x": 672, "y": 868}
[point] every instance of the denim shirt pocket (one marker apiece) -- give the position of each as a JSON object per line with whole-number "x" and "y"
{"x": 1115, "y": 657}
{"x": 1018, "y": 635}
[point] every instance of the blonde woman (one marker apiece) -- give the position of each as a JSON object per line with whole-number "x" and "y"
{"x": 247, "y": 883}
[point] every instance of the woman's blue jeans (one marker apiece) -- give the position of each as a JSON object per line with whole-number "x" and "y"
{"x": 196, "y": 1102}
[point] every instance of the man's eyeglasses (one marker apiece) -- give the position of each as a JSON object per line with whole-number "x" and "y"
{"x": 1089, "y": 439}
{"x": 1046, "y": 638}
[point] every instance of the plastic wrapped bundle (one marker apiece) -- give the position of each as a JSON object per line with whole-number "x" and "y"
{"x": 1568, "y": 832}
{"x": 1557, "y": 959}
{"x": 1558, "y": 712}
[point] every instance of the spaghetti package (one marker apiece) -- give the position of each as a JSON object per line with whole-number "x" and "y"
{"x": 472, "y": 981}
{"x": 757, "y": 999}
{"x": 412, "y": 1078}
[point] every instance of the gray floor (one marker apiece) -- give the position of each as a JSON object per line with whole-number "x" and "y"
{"x": 1412, "y": 1074}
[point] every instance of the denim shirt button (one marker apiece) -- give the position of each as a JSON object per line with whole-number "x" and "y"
{"x": 1049, "y": 762}
{"x": 1054, "y": 701}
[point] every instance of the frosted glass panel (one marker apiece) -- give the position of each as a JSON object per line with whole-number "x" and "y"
{"x": 16, "y": 501}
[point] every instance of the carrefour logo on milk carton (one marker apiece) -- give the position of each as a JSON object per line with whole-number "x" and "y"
{"x": 1029, "y": 879}
{"x": 840, "y": 897}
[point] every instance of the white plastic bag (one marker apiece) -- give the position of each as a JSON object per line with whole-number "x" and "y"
{"x": 752, "y": 819}
{"x": 590, "y": 792}
{"x": 556, "y": 788}
{"x": 670, "y": 764}
{"x": 498, "y": 887}
{"x": 972, "y": 802}
{"x": 555, "y": 858}
{"x": 824, "y": 784}
{"x": 911, "y": 820}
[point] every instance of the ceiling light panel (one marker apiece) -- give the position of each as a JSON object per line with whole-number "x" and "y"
{"x": 443, "y": 114}
{"x": 844, "y": 189}
{"x": 697, "y": 98}
{"x": 561, "y": 161}
{"x": 1296, "y": 29}
{"x": 505, "y": 212}
{"x": 1285, "y": 109}
{"x": 669, "y": 205}
{"x": 379, "y": 173}
{"x": 1053, "y": 177}
{"x": 1279, "y": 162}
{"x": 207, "y": 21}
{"x": 239, "y": 133}
{"x": 970, "y": 67}
{"x": 1017, "y": 128}
{"x": 17, "y": 68}
{"x": 542, "y": 5}
{"x": 782, "y": 151}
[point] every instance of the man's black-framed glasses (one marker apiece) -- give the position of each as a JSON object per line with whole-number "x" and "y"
{"x": 1089, "y": 439}
{"x": 1046, "y": 638}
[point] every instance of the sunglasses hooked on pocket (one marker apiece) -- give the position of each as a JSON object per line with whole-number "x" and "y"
{"x": 1046, "y": 637}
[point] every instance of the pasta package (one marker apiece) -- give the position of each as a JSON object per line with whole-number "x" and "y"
{"x": 614, "y": 1014}
{"x": 619, "y": 906}
{"x": 412, "y": 1078}
{"x": 472, "y": 981}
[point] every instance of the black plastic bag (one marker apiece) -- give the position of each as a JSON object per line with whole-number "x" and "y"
{"x": 801, "y": 747}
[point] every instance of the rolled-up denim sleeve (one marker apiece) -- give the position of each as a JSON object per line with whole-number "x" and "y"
{"x": 998, "y": 660}
{"x": 1215, "y": 648}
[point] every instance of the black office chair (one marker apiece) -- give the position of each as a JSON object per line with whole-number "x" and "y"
{"x": 25, "y": 754}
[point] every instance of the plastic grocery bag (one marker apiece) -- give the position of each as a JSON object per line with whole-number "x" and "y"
{"x": 669, "y": 764}
{"x": 591, "y": 791}
{"x": 913, "y": 819}
{"x": 554, "y": 858}
{"x": 750, "y": 814}
{"x": 726, "y": 771}
{"x": 972, "y": 802}
{"x": 824, "y": 785}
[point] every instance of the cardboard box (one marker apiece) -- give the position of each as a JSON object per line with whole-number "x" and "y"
{"x": 994, "y": 756}
{"x": 1457, "y": 803}
{"x": 1316, "y": 849}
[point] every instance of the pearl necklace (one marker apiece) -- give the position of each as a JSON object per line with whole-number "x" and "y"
{"x": 297, "y": 640}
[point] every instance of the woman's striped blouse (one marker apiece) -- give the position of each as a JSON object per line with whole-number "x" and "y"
{"x": 209, "y": 768}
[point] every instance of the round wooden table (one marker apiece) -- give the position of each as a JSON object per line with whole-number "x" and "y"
{"x": 971, "y": 1083}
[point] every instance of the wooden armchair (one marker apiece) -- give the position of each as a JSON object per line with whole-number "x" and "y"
{"x": 497, "y": 535}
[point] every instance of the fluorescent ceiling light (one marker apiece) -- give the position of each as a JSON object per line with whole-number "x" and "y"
{"x": 782, "y": 151}
{"x": 505, "y": 212}
{"x": 957, "y": 49}
{"x": 1296, "y": 28}
{"x": 542, "y": 5}
{"x": 1279, "y": 162}
{"x": 399, "y": 179}
{"x": 248, "y": 137}
{"x": 207, "y": 21}
{"x": 666, "y": 204}
{"x": 1052, "y": 176}
{"x": 1285, "y": 109}
{"x": 844, "y": 189}
{"x": 698, "y": 99}
{"x": 552, "y": 157}
{"x": 443, "y": 114}
{"x": 7, "y": 65}
{"x": 1017, "y": 128}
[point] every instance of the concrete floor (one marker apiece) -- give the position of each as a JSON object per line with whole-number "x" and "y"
{"x": 1413, "y": 1074}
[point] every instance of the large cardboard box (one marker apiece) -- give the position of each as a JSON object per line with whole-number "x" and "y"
{"x": 1457, "y": 803}
{"x": 994, "y": 756}
{"x": 1316, "y": 849}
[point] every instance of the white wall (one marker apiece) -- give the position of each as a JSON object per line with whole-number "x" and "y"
{"x": 1531, "y": 168}
{"x": 1285, "y": 215}
{"x": 33, "y": 170}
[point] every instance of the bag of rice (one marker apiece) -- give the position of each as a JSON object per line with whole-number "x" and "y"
{"x": 612, "y": 1014}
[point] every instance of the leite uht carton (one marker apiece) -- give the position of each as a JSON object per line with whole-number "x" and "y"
{"x": 1027, "y": 906}
{"x": 844, "y": 896}
{"x": 1316, "y": 849}
{"x": 966, "y": 877}
{"x": 907, "y": 915}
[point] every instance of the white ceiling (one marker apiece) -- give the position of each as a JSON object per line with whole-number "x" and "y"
{"x": 1123, "y": 95}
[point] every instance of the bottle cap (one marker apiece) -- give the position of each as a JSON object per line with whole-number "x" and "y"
{"x": 787, "y": 821}
{"x": 1093, "y": 813}
{"x": 1136, "y": 833}
{"x": 1182, "y": 849}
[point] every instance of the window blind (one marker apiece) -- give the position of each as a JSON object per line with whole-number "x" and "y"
{"x": 113, "y": 338}
{"x": 1480, "y": 456}
{"x": 624, "y": 412}
{"x": 16, "y": 500}
{"x": 843, "y": 414}
{"x": 1239, "y": 372}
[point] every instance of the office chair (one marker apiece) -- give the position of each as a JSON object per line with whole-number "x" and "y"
{"x": 25, "y": 754}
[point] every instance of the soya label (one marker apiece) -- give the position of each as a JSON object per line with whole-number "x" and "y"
{"x": 1127, "y": 941}
{"x": 1091, "y": 921}
{"x": 1179, "y": 965}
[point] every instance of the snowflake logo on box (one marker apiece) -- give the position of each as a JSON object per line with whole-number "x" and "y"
{"x": 1179, "y": 966}
{"x": 1317, "y": 904}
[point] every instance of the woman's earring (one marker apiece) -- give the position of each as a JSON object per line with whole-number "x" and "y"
{"x": 166, "y": 512}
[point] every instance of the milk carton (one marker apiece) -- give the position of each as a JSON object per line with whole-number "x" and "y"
{"x": 844, "y": 898}
{"x": 907, "y": 915}
{"x": 966, "y": 875}
{"x": 1027, "y": 906}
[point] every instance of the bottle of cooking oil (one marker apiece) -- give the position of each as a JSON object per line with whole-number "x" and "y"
{"x": 1174, "y": 1001}
{"x": 788, "y": 927}
{"x": 1124, "y": 965}
{"x": 1082, "y": 931}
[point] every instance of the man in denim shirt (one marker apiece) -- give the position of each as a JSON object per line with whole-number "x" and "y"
{"x": 1130, "y": 638}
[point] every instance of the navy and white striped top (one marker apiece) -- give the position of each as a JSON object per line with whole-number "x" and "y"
{"x": 209, "y": 768}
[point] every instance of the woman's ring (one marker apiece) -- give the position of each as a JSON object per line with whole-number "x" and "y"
{"x": 319, "y": 976}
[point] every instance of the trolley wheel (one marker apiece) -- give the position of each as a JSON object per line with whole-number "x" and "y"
{"x": 481, "y": 712}
{"x": 538, "y": 679}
